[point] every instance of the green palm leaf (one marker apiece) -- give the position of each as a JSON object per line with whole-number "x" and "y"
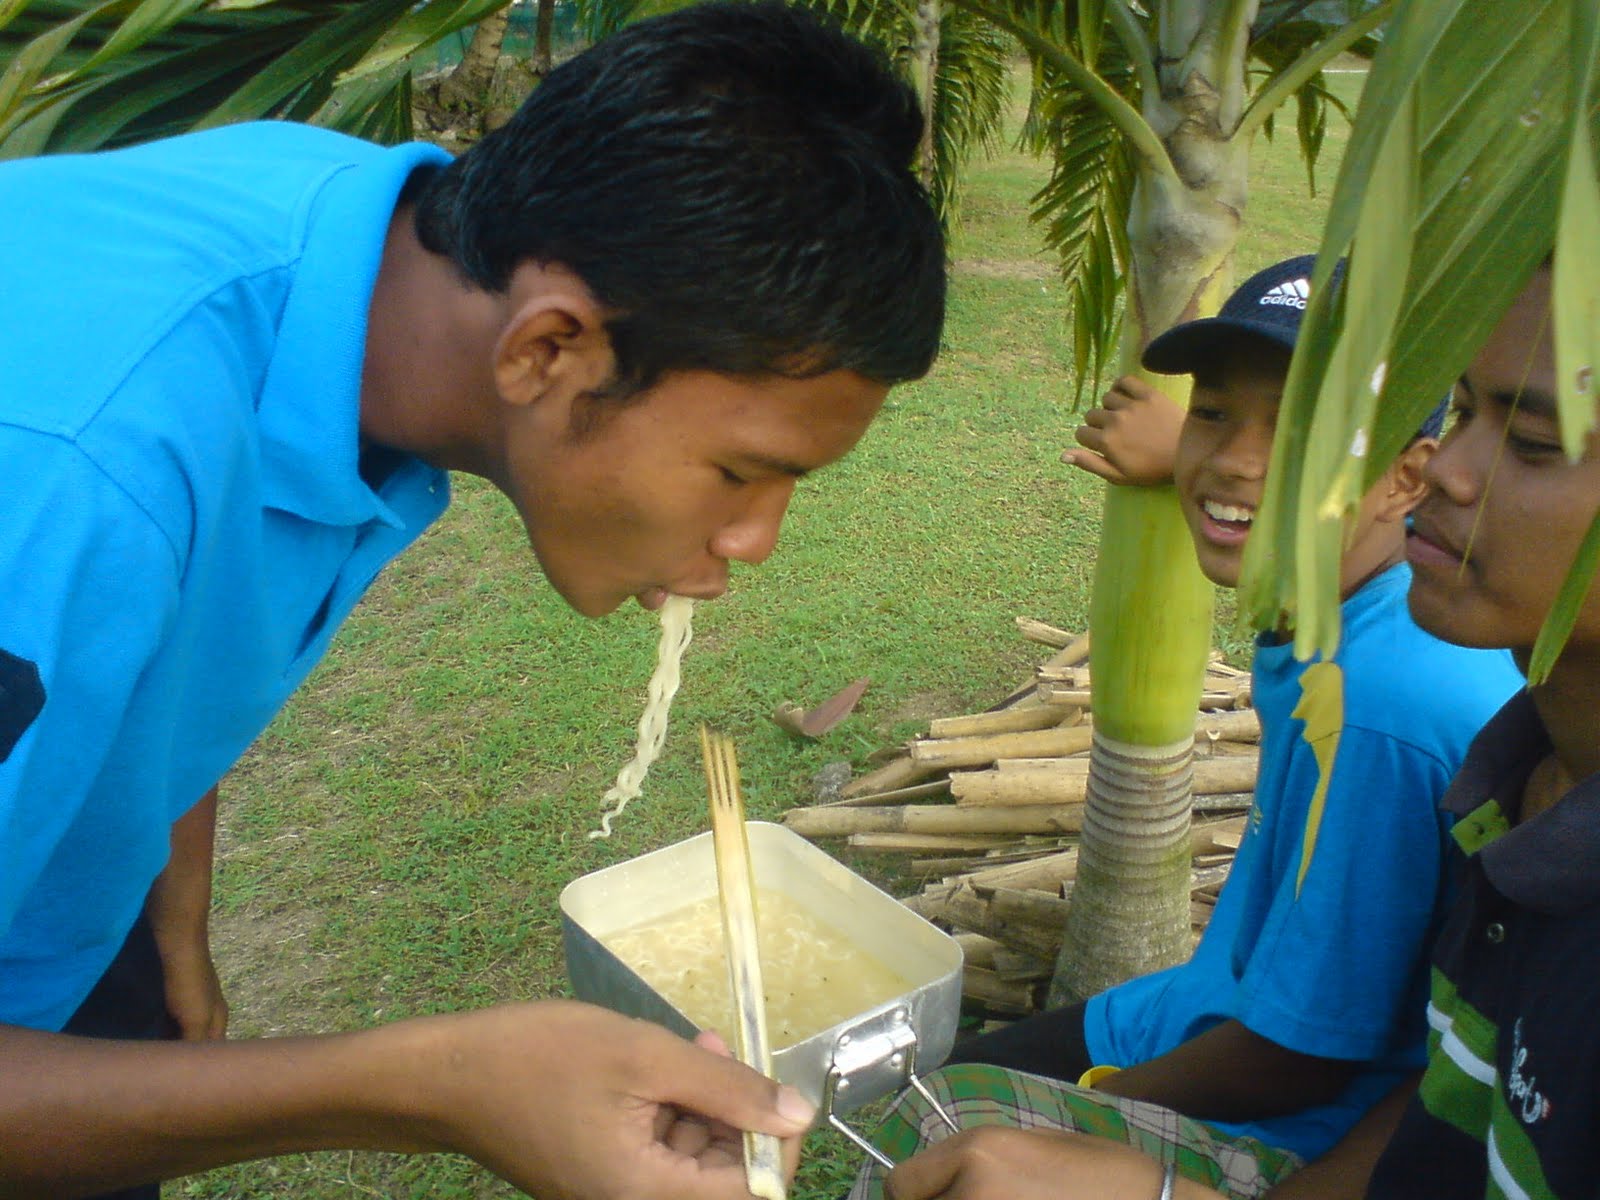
{"x": 1488, "y": 87}
{"x": 969, "y": 99}
{"x": 1083, "y": 208}
{"x": 82, "y": 76}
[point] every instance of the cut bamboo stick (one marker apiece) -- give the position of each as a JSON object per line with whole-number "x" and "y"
{"x": 1046, "y": 873}
{"x": 1205, "y": 748}
{"x": 1229, "y": 839}
{"x": 963, "y": 908}
{"x": 935, "y": 818}
{"x": 763, "y": 1153}
{"x": 1223, "y": 802}
{"x": 1243, "y": 725}
{"x": 943, "y": 754}
{"x": 1216, "y": 835}
{"x": 1030, "y": 907}
{"x": 977, "y": 950}
{"x": 924, "y": 843}
{"x": 1066, "y": 695}
{"x": 1074, "y": 764}
{"x": 1052, "y": 691}
{"x": 1010, "y": 965}
{"x": 1016, "y": 719}
{"x": 1019, "y": 788}
{"x": 1002, "y": 995}
{"x": 1219, "y": 776}
{"x": 1072, "y": 677}
{"x": 1065, "y": 781}
{"x": 917, "y": 791}
{"x": 1045, "y": 635}
{"x": 896, "y": 773}
{"x": 1074, "y": 652}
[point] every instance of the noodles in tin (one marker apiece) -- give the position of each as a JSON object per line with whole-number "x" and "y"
{"x": 815, "y": 976}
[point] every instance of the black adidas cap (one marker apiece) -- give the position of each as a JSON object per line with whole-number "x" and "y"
{"x": 1267, "y": 305}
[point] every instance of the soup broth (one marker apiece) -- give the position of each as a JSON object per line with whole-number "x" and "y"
{"x": 814, "y": 976}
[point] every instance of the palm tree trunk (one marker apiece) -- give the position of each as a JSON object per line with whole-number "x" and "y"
{"x": 469, "y": 83}
{"x": 925, "y": 52}
{"x": 544, "y": 23}
{"x": 1150, "y": 615}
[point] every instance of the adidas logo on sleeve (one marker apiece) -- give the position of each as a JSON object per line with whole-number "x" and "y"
{"x": 1290, "y": 294}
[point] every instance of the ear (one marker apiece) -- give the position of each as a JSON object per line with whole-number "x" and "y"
{"x": 553, "y": 346}
{"x": 1403, "y": 487}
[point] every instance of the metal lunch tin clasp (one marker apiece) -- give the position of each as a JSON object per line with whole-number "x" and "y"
{"x": 879, "y": 1055}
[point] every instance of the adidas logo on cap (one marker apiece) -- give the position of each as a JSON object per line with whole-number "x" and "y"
{"x": 1292, "y": 294}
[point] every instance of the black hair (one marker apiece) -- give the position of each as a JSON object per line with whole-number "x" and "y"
{"x": 733, "y": 183}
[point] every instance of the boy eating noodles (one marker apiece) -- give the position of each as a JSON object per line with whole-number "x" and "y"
{"x": 1302, "y": 1005}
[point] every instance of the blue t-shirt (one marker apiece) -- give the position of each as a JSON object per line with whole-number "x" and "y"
{"x": 185, "y": 519}
{"x": 1333, "y": 964}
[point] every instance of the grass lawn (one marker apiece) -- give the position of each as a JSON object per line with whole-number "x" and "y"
{"x": 395, "y": 843}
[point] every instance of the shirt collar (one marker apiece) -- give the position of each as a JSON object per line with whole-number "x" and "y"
{"x": 311, "y": 400}
{"x": 1550, "y": 863}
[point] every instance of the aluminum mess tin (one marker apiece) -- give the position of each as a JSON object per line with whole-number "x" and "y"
{"x": 852, "y": 1063}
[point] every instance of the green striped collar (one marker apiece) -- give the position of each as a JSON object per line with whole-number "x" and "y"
{"x": 1551, "y": 864}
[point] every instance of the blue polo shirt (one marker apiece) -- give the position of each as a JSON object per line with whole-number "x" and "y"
{"x": 1330, "y": 960}
{"x": 185, "y": 512}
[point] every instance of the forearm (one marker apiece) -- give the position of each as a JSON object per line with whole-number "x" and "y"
{"x": 80, "y": 1116}
{"x": 181, "y": 894}
{"x": 1229, "y": 1073}
{"x": 179, "y": 910}
{"x": 557, "y": 1098}
{"x": 1343, "y": 1172}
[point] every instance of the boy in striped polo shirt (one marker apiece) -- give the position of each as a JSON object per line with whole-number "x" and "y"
{"x": 1509, "y": 1104}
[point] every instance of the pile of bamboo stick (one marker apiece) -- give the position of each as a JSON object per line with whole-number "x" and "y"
{"x": 987, "y": 808}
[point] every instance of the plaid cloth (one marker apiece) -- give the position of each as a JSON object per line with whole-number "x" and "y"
{"x": 974, "y": 1094}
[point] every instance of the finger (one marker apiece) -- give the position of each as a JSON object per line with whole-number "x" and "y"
{"x": 710, "y": 1039}
{"x": 927, "y": 1175}
{"x": 1091, "y": 439}
{"x": 1097, "y": 418}
{"x": 687, "y": 1136}
{"x": 1118, "y": 393}
{"x": 1132, "y": 388}
{"x": 1094, "y": 464}
{"x": 701, "y": 1082}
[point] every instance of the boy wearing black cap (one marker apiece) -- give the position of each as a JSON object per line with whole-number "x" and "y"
{"x": 1303, "y": 1005}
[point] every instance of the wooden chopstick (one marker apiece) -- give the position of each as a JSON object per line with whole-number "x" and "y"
{"x": 763, "y": 1158}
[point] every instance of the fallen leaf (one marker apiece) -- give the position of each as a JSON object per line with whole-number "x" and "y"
{"x": 813, "y": 723}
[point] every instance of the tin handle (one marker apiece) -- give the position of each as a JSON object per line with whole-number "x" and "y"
{"x": 859, "y": 1058}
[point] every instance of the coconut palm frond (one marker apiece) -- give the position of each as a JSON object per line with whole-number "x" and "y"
{"x": 1083, "y": 208}
{"x": 84, "y": 76}
{"x": 969, "y": 100}
{"x": 1487, "y": 197}
{"x": 1280, "y": 50}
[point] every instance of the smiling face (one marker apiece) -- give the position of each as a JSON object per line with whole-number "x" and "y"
{"x": 1506, "y": 512}
{"x": 661, "y": 494}
{"x": 1220, "y": 468}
